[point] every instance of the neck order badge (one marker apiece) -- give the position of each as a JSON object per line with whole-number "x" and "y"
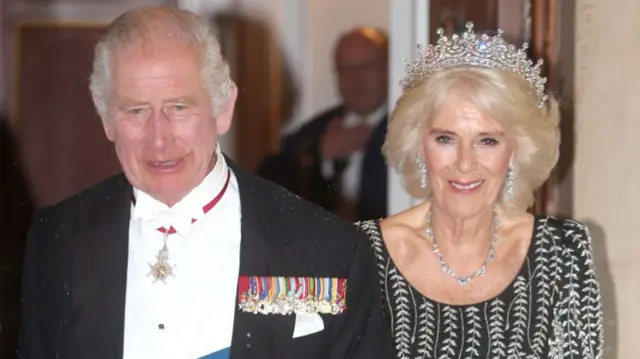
{"x": 162, "y": 269}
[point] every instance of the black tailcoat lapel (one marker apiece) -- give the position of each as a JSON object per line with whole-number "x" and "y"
{"x": 99, "y": 256}
{"x": 253, "y": 336}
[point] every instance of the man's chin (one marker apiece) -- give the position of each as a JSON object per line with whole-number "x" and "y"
{"x": 168, "y": 188}
{"x": 169, "y": 196}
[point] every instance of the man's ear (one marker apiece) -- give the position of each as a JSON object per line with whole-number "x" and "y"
{"x": 107, "y": 125}
{"x": 109, "y": 130}
{"x": 223, "y": 120}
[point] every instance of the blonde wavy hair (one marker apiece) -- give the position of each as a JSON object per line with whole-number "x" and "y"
{"x": 499, "y": 94}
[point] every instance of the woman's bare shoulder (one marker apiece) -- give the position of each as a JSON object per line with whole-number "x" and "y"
{"x": 402, "y": 233}
{"x": 397, "y": 226}
{"x": 518, "y": 225}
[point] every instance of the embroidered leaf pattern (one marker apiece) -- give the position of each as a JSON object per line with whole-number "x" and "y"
{"x": 552, "y": 310}
{"x": 518, "y": 319}
{"x": 542, "y": 279}
{"x": 450, "y": 329}
{"x": 580, "y": 306}
{"x": 402, "y": 317}
{"x": 497, "y": 325}
{"x": 427, "y": 323}
{"x": 474, "y": 334}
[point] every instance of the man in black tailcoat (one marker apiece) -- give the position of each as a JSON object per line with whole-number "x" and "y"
{"x": 186, "y": 255}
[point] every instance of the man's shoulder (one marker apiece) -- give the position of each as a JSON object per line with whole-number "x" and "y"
{"x": 309, "y": 236}
{"x": 313, "y": 218}
{"x": 299, "y": 219}
{"x": 310, "y": 131}
{"x": 319, "y": 121}
{"x": 93, "y": 195}
{"x": 329, "y": 113}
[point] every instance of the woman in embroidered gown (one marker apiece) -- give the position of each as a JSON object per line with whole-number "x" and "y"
{"x": 469, "y": 273}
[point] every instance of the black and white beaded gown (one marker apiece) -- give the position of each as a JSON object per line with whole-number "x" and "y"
{"x": 552, "y": 309}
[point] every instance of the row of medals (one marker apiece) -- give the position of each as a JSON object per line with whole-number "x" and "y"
{"x": 288, "y": 305}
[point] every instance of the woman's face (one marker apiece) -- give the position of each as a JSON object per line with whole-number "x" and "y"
{"x": 467, "y": 155}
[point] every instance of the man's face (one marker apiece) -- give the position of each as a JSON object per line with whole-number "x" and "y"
{"x": 161, "y": 120}
{"x": 362, "y": 74}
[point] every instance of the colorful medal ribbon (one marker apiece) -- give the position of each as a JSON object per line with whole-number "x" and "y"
{"x": 288, "y": 295}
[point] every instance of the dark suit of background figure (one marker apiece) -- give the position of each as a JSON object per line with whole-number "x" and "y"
{"x": 15, "y": 216}
{"x": 361, "y": 59}
{"x": 304, "y": 144}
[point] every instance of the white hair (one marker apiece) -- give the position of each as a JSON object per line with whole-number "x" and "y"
{"x": 145, "y": 22}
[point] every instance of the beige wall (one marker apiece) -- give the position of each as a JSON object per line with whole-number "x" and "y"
{"x": 606, "y": 168}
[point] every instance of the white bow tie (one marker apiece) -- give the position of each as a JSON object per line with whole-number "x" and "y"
{"x": 180, "y": 221}
{"x": 153, "y": 217}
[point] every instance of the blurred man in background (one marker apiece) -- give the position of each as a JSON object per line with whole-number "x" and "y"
{"x": 336, "y": 157}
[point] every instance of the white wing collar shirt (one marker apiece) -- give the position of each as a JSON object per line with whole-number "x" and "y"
{"x": 190, "y": 315}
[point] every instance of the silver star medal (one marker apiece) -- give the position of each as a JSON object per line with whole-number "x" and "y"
{"x": 161, "y": 270}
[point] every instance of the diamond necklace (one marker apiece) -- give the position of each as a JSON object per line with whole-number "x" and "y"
{"x": 443, "y": 264}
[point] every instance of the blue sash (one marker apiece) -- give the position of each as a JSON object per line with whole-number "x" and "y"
{"x": 220, "y": 354}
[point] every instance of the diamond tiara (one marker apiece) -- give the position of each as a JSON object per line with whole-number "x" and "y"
{"x": 469, "y": 50}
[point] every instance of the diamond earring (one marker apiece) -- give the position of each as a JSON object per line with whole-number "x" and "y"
{"x": 511, "y": 181}
{"x": 423, "y": 172}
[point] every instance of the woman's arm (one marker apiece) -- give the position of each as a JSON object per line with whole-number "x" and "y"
{"x": 578, "y": 319}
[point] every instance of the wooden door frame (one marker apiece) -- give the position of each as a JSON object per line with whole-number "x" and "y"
{"x": 550, "y": 22}
{"x": 260, "y": 73}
